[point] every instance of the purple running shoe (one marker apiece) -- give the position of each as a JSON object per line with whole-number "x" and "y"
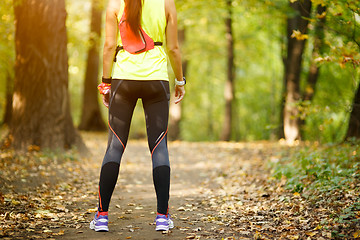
{"x": 163, "y": 222}
{"x": 100, "y": 222}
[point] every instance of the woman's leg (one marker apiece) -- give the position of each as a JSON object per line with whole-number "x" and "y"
{"x": 156, "y": 107}
{"x": 121, "y": 108}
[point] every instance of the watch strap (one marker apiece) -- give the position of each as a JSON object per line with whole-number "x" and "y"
{"x": 180, "y": 83}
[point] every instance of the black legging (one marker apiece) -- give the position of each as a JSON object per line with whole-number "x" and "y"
{"x": 155, "y": 97}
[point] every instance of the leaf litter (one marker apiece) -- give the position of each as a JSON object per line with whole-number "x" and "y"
{"x": 234, "y": 195}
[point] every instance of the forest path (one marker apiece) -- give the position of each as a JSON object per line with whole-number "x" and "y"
{"x": 218, "y": 190}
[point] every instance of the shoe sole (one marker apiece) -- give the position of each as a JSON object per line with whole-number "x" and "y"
{"x": 162, "y": 228}
{"x": 101, "y": 229}
{"x": 98, "y": 229}
{"x": 165, "y": 228}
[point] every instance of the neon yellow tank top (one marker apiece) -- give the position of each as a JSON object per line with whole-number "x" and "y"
{"x": 149, "y": 65}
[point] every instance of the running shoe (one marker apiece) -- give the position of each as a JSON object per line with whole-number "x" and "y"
{"x": 100, "y": 222}
{"x": 163, "y": 222}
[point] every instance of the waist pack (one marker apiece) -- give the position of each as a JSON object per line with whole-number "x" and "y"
{"x": 134, "y": 43}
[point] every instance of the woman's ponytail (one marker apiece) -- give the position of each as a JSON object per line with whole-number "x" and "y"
{"x": 133, "y": 9}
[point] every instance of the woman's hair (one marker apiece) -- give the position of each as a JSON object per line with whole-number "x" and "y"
{"x": 133, "y": 10}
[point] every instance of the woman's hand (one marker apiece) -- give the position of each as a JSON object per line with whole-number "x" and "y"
{"x": 104, "y": 89}
{"x": 179, "y": 93}
{"x": 106, "y": 98}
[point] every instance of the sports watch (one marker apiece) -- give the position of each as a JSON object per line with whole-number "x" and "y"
{"x": 180, "y": 83}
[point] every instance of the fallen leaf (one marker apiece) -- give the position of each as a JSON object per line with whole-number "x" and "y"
{"x": 311, "y": 234}
{"x": 318, "y": 227}
{"x": 92, "y": 210}
{"x": 296, "y": 194}
{"x": 60, "y": 233}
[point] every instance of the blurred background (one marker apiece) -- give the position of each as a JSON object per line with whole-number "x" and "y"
{"x": 256, "y": 70}
{"x": 260, "y": 73}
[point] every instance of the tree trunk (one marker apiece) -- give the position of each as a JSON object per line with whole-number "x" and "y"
{"x": 175, "y": 109}
{"x": 354, "y": 122}
{"x": 41, "y": 108}
{"x": 314, "y": 69}
{"x": 9, "y": 98}
{"x": 280, "y": 129}
{"x": 317, "y": 51}
{"x": 91, "y": 119}
{"x": 229, "y": 85}
{"x": 293, "y": 69}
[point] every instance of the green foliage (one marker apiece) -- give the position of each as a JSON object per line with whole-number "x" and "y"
{"x": 349, "y": 218}
{"x": 259, "y": 32}
{"x": 329, "y": 176}
{"x": 342, "y": 31}
{"x": 321, "y": 169}
{"x": 258, "y": 71}
{"x": 350, "y": 212}
{"x": 7, "y": 47}
{"x": 78, "y": 28}
{"x": 327, "y": 115}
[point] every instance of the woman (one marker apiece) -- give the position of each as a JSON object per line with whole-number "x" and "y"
{"x": 139, "y": 75}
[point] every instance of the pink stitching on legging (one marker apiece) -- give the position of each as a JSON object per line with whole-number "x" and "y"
{"x": 159, "y": 142}
{"x": 117, "y": 136}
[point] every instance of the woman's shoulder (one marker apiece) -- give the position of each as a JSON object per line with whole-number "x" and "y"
{"x": 169, "y": 6}
{"x": 168, "y": 2}
{"x": 114, "y": 6}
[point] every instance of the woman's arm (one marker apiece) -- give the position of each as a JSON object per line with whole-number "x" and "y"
{"x": 111, "y": 30}
{"x": 110, "y": 42}
{"x": 172, "y": 46}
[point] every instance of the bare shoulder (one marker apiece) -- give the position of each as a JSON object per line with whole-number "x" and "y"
{"x": 113, "y": 7}
{"x": 169, "y": 7}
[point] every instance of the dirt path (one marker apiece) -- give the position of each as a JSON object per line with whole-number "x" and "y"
{"x": 218, "y": 190}
{"x": 133, "y": 203}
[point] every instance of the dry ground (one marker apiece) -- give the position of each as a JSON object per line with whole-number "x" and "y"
{"x": 218, "y": 190}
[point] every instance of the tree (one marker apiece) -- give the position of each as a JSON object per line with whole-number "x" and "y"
{"x": 354, "y": 123}
{"x": 297, "y": 27}
{"x": 9, "y": 98}
{"x": 41, "y": 109}
{"x": 7, "y": 56}
{"x": 344, "y": 41}
{"x": 316, "y": 53}
{"x": 314, "y": 69}
{"x": 229, "y": 85}
{"x": 91, "y": 119}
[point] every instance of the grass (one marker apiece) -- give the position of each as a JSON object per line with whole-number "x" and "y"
{"x": 327, "y": 176}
